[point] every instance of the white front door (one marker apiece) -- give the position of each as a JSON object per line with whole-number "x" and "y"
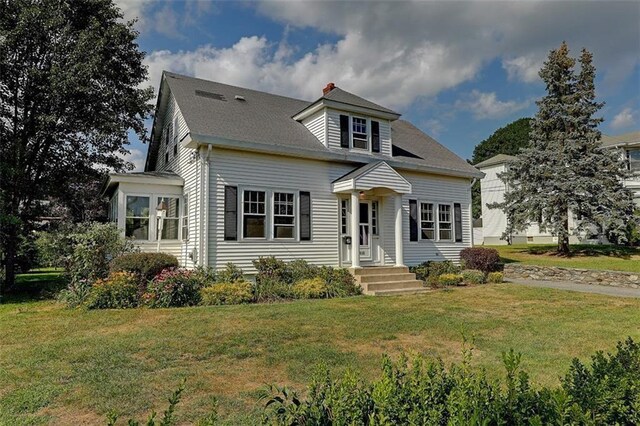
{"x": 364, "y": 222}
{"x": 369, "y": 235}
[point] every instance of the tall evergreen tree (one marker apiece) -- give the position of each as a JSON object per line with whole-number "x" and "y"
{"x": 565, "y": 171}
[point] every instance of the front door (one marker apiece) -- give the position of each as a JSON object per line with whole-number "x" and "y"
{"x": 365, "y": 230}
{"x": 369, "y": 237}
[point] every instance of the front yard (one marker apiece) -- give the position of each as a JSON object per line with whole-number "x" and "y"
{"x": 73, "y": 366}
{"x": 604, "y": 257}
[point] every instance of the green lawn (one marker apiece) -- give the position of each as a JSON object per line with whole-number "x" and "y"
{"x": 614, "y": 258}
{"x": 73, "y": 366}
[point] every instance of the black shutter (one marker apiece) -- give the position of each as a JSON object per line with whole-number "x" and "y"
{"x": 457, "y": 217}
{"x": 230, "y": 213}
{"x": 344, "y": 131}
{"x": 375, "y": 136}
{"x": 305, "y": 216}
{"x": 413, "y": 220}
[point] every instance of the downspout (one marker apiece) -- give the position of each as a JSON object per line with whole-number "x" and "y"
{"x": 473, "y": 182}
{"x": 207, "y": 192}
{"x": 200, "y": 207}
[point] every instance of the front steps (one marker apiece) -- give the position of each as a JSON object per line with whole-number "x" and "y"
{"x": 388, "y": 280}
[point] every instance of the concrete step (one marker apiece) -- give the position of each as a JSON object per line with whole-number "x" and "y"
{"x": 385, "y": 277}
{"x": 393, "y": 285}
{"x": 380, "y": 270}
{"x": 416, "y": 290}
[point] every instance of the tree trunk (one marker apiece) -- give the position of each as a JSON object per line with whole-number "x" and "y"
{"x": 563, "y": 238}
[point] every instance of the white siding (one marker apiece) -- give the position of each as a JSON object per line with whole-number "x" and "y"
{"x": 274, "y": 172}
{"x": 382, "y": 173}
{"x": 333, "y": 131}
{"x": 436, "y": 189}
{"x": 492, "y": 189}
{"x": 316, "y": 124}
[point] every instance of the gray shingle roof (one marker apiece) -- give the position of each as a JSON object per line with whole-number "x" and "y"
{"x": 265, "y": 119}
{"x": 625, "y": 139}
{"x": 495, "y": 160}
{"x": 339, "y": 95}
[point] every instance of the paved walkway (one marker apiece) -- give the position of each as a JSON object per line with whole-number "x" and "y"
{"x": 583, "y": 288}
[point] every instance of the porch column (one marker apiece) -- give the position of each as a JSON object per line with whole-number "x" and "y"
{"x": 398, "y": 231}
{"x": 355, "y": 230}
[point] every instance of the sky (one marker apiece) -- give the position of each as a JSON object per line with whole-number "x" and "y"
{"x": 458, "y": 70}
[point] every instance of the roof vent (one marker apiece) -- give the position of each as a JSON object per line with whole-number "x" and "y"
{"x": 210, "y": 95}
{"x": 330, "y": 87}
{"x": 239, "y": 98}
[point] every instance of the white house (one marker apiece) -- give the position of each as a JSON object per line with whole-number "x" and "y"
{"x": 492, "y": 189}
{"x": 339, "y": 181}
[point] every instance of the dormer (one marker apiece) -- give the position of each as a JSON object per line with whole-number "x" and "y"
{"x": 344, "y": 121}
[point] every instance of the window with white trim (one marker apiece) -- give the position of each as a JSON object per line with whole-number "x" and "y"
{"x": 445, "y": 231}
{"x": 137, "y": 217}
{"x": 171, "y": 224}
{"x": 427, "y": 222}
{"x": 283, "y": 215}
{"x": 344, "y": 210}
{"x": 359, "y": 133}
{"x": 633, "y": 157}
{"x": 254, "y": 214}
{"x": 185, "y": 218}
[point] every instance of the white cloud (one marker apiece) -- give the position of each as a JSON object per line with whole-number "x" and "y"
{"x": 487, "y": 105}
{"x": 625, "y": 118}
{"x": 135, "y": 157}
{"x": 523, "y": 68}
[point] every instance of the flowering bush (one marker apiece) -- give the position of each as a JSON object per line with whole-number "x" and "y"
{"x": 118, "y": 290}
{"x": 233, "y": 293}
{"x": 173, "y": 287}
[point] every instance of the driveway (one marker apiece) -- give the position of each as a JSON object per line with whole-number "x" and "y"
{"x": 583, "y": 288}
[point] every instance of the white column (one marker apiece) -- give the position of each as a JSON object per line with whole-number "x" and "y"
{"x": 398, "y": 231}
{"x": 355, "y": 230}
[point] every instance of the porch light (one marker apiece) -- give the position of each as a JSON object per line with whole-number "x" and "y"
{"x": 362, "y": 195}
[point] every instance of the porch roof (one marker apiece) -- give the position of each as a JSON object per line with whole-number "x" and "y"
{"x": 154, "y": 178}
{"x": 370, "y": 176}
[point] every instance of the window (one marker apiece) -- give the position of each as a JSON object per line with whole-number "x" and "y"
{"x": 283, "y": 215}
{"x": 185, "y": 218}
{"x": 344, "y": 210}
{"x": 374, "y": 217}
{"x": 171, "y": 223}
{"x": 113, "y": 209}
{"x": 254, "y": 214}
{"x": 359, "y": 133}
{"x": 444, "y": 222}
{"x": 427, "y": 221}
{"x": 633, "y": 156}
{"x": 137, "y": 217}
{"x": 166, "y": 157}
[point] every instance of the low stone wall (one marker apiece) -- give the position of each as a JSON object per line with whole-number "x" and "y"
{"x": 581, "y": 276}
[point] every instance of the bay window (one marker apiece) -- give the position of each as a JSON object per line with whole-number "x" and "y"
{"x": 137, "y": 217}
{"x": 283, "y": 215}
{"x": 254, "y": 214}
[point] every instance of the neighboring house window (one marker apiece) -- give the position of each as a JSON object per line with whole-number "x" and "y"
{"x": 171, "y": 224}
{"x": 444, "y": 222}
{"x": 374, "y": 218}
{"x": 254, "y": 214}
{"x": 344, "y": 209}
{"x": 359, "y": 133}
{"x": 185, "y": 218}
{"x": 427, "y": 221}
{"x": 633, "y": 156}
{"x": 137, "y": 217}
{"x": 283, "y": 215}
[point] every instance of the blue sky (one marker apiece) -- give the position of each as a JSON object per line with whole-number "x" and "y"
{"x": 458, "y": 70}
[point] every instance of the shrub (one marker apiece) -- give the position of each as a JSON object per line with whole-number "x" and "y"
{"x": 340, "y": 282}
{"x": 447, "y": 280}
{"x": 232, "y": 293}
{"x": 147, "y": 265}
{"x": 230, "y": 274}
{"x": 119, "y": 290}
{"x": 311, "y": 288}
{"x": 482, "y": 258}
{"x": 495, "y": 277}
{"x": 272, "y": 269}
{"x": 269, "y": 290}
{"x": 301, "y": 270}
{"x": 173, "y": 288}
{"x": 430, "y": 271}
{"x": 75, "y": 294}
{"x": 473, "y": 276}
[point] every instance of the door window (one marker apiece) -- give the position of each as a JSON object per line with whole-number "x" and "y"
{"x": 364, "y": 224}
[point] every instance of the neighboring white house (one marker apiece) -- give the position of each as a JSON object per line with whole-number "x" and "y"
{"x": 492, "y": 189}
{"x": 340, "y": 181}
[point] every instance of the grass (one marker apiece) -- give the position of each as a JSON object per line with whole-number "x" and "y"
{"x": 603, "y": 257}
{"x": 72, "y": 366}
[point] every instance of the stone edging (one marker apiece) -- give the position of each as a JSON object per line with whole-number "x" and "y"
{"x": 579, "y": 276}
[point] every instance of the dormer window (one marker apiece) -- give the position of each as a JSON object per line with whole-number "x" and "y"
{"x": 359, "y": 133}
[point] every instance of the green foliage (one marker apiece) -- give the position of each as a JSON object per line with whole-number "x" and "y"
{"x": 310, "y": 288}
{"x": 173, "y": 288}
{"x": 340, "y": 282}
{"x": 231, "y": 273}
{"x": 301, "y": 270}
{"x": 231, "y": 293}
{"x": 75, "y": 294}
{"x": 146, "y": 265}
{"x": 118, "y": 291}
{"x": 269, "y": 290}
{"x": 424, "y": 391}
{"x": 272, "y": 270}
{"x": 473, "y": 276}
{"x": 430, "y": 271}
{"x": 508, "y": 140}
{"x": 481, "y": 258}
{"x": 447, "y": 280}
{"x": 495, "y": 277}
